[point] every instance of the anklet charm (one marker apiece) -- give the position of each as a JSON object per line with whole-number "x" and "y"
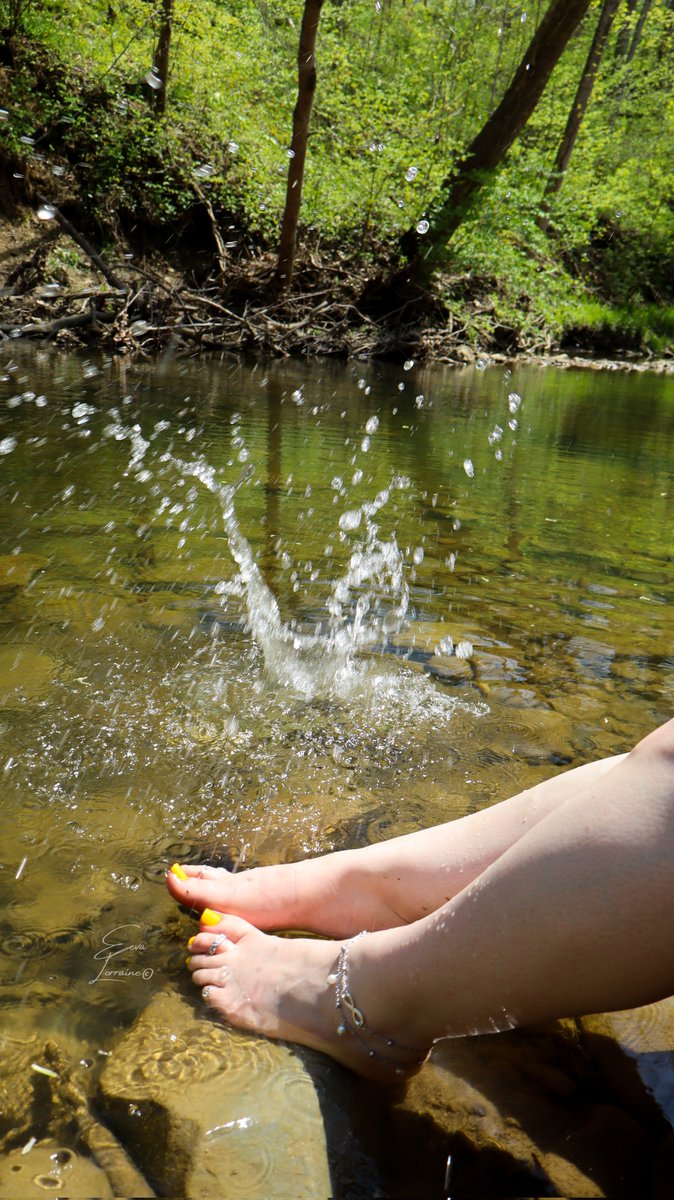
{"x": 351, "y": 1018}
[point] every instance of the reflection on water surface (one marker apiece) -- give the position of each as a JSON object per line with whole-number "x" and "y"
{"x": 428, "y": 590}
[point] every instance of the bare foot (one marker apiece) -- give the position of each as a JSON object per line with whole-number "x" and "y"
{"x": 287, "y": 988}
{"x": 318, "y": 895}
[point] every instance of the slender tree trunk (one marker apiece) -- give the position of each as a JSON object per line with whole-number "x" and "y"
{"x": 163, "y": 51}
{"x": 646, "y": 7}
{"x": 306, "y": 87}
{"x": 622, "y": 42}
{"x": 489, "y": 148}
{"x": 578, "y": 108}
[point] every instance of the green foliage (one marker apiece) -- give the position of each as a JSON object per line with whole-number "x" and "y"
{"x": 402, "y": 88}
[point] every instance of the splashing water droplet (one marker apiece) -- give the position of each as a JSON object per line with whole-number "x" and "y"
{"x": 411, "y": 173}
{"x": 372, "y": 425}
{"x": 152, "y": 80}
{"x": 46, "y": 212}
{"x": 408, "y": 364}
{"x": 464, "y": 650}
{"x": 481, "y": 364}
{"x": 423, "y": 226}
{"x": 233, "y": 148}
{"x": 514, "y": 401}
{"x": 138, "y": 327}
{"x": 7, "y": 445}
{"x": 58, "y": 171}
{"x": 468, "y": 467}
{"x": 4, "y": 114}
{"x": 203, "y": 171}
{"x": 418, "y": 556}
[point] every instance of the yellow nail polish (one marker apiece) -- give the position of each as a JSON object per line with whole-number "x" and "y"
{"x": 177, "y": 870}
{"x": 191, "y": 941}
{"x": 208, "y": 917}
{"x": 187, "y": 962}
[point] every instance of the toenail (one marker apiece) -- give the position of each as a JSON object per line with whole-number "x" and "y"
{"x": 191, "y": 942}
{"x": 215, "y": 943}
{"x": 209, "y": 917}
{"x": 177, "y": 870}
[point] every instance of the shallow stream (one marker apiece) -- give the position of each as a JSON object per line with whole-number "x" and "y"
{"x": 249, "y": 614}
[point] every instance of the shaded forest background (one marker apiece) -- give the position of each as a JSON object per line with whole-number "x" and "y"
{"x": 167, "y": 129}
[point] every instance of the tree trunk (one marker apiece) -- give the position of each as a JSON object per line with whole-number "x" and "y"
{"x": 622, "y": 42}
{"x": 162, "y": 63}
{"x": 306, "y": 87}
{"x": 488, "y": 149}
{"x": 578, "y": 108}
{"x": 639, "y": 30}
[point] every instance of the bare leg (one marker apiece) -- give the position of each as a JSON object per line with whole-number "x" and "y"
{"x": 380, "y": 886}
{"x": 576, "y": 916}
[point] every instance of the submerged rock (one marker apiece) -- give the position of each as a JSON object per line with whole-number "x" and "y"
{"x": 206, "y": 1111}
{"x": 26, "y": 675}
{"x": 50, "y": 1168}
{"x": 524, "y": 1113}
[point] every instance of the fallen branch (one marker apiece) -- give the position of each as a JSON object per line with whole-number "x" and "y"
{"x": 85, "y": 245}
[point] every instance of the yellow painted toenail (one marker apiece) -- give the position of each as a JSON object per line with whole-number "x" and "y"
{"x": 177, "y": 870}
{"x": 187, "y": 962}
{"x": 209, "y": 917}
{"x": 191, "y": 942}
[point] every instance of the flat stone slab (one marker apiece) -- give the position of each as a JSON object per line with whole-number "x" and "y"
{"x": 207, "y": 1111}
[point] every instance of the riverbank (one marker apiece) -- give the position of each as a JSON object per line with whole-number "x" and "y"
{"x": 56, "y": 287}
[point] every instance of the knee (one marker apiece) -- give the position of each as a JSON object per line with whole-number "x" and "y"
{"x": 658, "y": 745}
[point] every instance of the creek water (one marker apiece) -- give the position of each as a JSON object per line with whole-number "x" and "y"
{"x": 249, "y": 614}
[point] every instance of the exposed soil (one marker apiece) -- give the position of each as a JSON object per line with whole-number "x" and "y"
{"x": 55, "y": 286}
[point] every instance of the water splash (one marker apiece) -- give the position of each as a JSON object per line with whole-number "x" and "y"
{"x": 322, "y": 662}
{"x": 367, "y": 605}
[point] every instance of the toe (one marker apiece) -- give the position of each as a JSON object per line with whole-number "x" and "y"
{"x": 196, "y": 885}
{"x": 233, "y": 927}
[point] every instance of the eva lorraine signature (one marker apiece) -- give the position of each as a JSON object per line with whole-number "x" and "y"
{"x": 111, "y": 947}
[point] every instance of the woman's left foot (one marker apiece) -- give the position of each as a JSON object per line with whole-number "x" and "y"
{"x": 287, "y": 988}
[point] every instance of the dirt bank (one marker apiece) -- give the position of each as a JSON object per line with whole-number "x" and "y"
{"x": 56, "y": 286}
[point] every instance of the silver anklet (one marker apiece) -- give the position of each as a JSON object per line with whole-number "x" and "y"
{"x": 352, "y": 1019}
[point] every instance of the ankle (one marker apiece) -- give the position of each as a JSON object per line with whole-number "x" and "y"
{"x": 379, "y": 1043}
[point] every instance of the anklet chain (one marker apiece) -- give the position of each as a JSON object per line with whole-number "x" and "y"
{"x": 352, "y": 1019}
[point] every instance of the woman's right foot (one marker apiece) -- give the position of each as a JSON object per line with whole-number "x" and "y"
{"x": 314, "y": 895}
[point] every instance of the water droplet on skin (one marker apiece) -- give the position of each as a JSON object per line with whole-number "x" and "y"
{"x": 411, "y": 173}
{"x": 468, "y": 467}
{"x": 46, "y": 212}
